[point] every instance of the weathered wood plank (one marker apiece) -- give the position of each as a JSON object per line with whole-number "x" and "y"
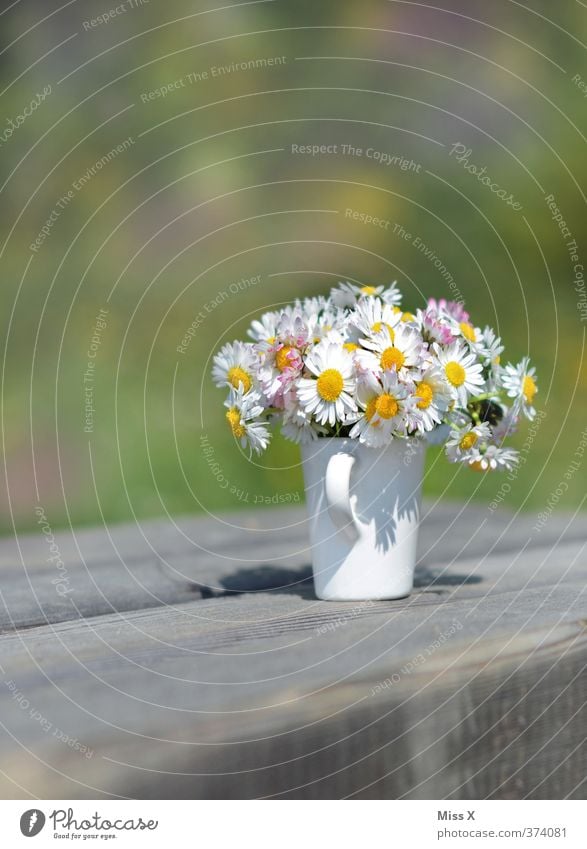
{"x": 157, "y": 691}
{"x": 471, "y": 687}
{"x": 163, "y": 563}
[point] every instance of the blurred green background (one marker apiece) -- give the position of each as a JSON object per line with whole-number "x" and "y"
{"x": 207, "y": 191}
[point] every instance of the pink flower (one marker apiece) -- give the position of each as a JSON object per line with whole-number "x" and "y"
{"x": 452, "y": 308}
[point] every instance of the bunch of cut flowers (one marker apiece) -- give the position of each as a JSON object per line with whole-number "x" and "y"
{"x": 355, "y": 364}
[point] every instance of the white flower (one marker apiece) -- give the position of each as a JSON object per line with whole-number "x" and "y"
{"x": 347, "y": 294}
{"x": 386, "y": 405}
{"x": 265, "y": 330}
{"x": 298, "y": 426}
{"x": 236, "y": 364}
{"x": 328, "y": 397}
{"x": 392, "y": 295}
{"x": 489, "y": 346}
{"x": 357, "y": 362}
{"x": 311, "y": 307}
{"x": 494, "y": 458}
{"x": 243, "y": 417}
{"x": 398, "y": 349}
{"x": 464, "y": 444}
{"x": 370, "y": 316}
{"x": 520, "y": 383}
{"x": 433, "y": 397}
{"x": 462, "y": 371}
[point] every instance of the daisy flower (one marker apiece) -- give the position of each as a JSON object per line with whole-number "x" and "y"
{"x": 328, "y": 394}
{"x": 370, "y": 316}
{"x": 235, "y": 364}
{"x": 347, "y": 294}
{"x": 282, "y": 364}
{"x": 464, "y": 444}
{"x": 386, "y": 405}
{"x": 451, "y": 309}
{"x": 433, "y": 327}
{"x": 465, "y": 330}
{"x": 357, "y": 363}
{"x": 520, "y": 383}
{"x": 265, "y": 330}
{"x": 298, "y": 426}
{"x": 494, "y": 458}
{"x": 385, "y": 351}
{"x": 462, "y": 371}
{"x": 392, "y": 295}
{"x": 433, "y": 397}
{"x": 489, "y": 346}
{"x": 243, "y": 418}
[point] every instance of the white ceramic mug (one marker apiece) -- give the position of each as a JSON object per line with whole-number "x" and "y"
{"x": 364, "y": 510}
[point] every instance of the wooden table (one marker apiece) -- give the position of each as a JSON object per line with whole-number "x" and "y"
{"x": 190, "y": 659}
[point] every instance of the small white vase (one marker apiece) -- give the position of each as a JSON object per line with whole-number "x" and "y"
{"x": 364, "y": 510}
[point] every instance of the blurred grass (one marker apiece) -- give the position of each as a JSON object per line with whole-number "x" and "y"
{"x": 161, "y": 224}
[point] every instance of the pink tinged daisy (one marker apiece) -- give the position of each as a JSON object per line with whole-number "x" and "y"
{"x": 464, "y": 444}
{"x": 243, "y": 415}
{"x": 433, "y": 327}
{"x": 328, "y": 395}
{"x": 236, "y": 365}
{"x": 520, "y": 383}
{"x": 282, "y": 365}
{"x": 462, "y": 372}
{"x": 450, "y": 309}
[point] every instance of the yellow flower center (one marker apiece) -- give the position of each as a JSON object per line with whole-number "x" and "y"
{"x": 408, "y": 316}
{"x": 468, "y": 440}
{"x": 455, "y": 373}
{"x": 330, "y": 384}
{"x": 529, "y": 389}
{"x": 386, "y": 406}
{"x": 368, "y": 290}
{"x": 425, "y": 393}
{"x": 271, "y": 340}
{"x": 477, "y": 467}
{"x": 392, "y": 357}
{"x": 371, "y": 409}
{"x": 350, "y": 346}
{"x": 282, "y": 360}
{"x": 396, "y": 310}
{"x": 233, "y": 418}
{"x": 468, "y": 331}
{"x": 237, "y": 375}
{"x": 379, "y": 325}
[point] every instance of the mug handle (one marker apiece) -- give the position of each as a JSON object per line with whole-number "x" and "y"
{"x": 338, "y": 497}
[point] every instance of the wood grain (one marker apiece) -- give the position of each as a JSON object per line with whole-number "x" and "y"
{"x": 192, "y": 660}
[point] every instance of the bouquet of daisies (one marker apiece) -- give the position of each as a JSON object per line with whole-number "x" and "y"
{"x": 355, "y": 364}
